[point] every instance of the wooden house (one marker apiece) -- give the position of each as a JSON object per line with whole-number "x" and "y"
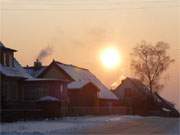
{"x": 48, "y": 95}
{"x": 135, "y": 95}
{"x": 12, "y": 76}
{"x": 83, "y": 97}
{"x": 84, "y": 90}
{"x": 21, "y": 94}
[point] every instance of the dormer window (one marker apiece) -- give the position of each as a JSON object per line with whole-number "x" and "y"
{"x": 6, "y": 56}
{"x": 8, "y": 59}
{"x": 4, "y": 59}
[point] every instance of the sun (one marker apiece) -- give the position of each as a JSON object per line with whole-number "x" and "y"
{"x": 110, "y": 57}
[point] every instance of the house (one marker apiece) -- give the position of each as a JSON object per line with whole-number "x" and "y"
{"x": 134, "y": 94}
{"x": 12, "y": 76}
{"x": 48, "y": 95}
{"x": 36, "y": 69}
{"x": 21, "y": 93}
{"x": 83, "y": 97}
{"x": 84, "y": 90}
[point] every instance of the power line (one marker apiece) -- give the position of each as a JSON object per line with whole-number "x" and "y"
{"x": 88, "y": 5}
{"x": 85, "y": 9}
{"x": 69, "y": 2}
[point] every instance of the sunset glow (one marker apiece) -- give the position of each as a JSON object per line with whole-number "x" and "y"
{"x": 98, "y": 35}
{"x": 110, "y": 57}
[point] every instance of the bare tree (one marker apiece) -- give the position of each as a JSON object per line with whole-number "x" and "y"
{"x": 149, "y": 62}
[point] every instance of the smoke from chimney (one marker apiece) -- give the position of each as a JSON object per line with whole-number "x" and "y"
{"x": 45, "y": 53}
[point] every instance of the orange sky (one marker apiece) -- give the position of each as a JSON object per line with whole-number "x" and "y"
{"x": 78, "y": 30}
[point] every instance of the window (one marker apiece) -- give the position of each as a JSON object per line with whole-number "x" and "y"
{"x": 4, "y": 59}
{"x": 98, "y": 94}
{"x": 4, "y": 92}
{"x": 7, "y": 60}
{"x": 11, "y": 61}
{"x": 61, "y": 88}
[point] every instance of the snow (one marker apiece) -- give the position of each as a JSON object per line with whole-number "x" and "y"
{"x": 34, "y": 127}
{"x": 94, "y": 125}
{"x": 77, "y": 84}
{"x": 1, "y": 44}
{"x": 166, "y": 110}
{"x": 59, "y": 125}
{"x": 16, "y": 71}
{"x": 44, "y": 79}
{"x": 80, "y": 74}
{"x": 48, "y": 98}
{"x": 33, "y": 72}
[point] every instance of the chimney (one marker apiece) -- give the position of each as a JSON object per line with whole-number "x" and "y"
{"x": 37, "y": 64}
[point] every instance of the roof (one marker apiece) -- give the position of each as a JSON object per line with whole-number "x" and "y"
{"x": 34, "y": 71}
{"x": 77, "y": 84}
{"x": 132, "y": 83}
{"x": 163, "y": 101}
{"x": 136, "y": 84}
{"x": 2, "y": 46}
{"x": 44, "y": 79}
{"x": 48, "y": 98}
{"x": 16, "y": 71}
{"x": 82, "y": 76}
{"x": 139, "y": 85}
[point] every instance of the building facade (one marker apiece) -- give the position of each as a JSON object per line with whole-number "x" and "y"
{"x": 21, "y": 93}
{"x": 79, "y": 78}
{"x": 136, "y": 96}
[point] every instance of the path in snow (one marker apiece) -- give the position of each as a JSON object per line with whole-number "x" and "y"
{"x": 110, "y": 125}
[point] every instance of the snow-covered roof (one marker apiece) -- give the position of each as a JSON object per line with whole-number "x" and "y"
{"x": 34, "y": 72}
{"x": 2, "y": 46}
{"x": 166, "y": 110}
{"x": 48, "y": 98}
{"x": 133, "y": 84}
{"x": 16, "y": 71}
{"x": 43, "y": 80}
{"x": 77, "y": 84}
{"x": 81, "y": 75}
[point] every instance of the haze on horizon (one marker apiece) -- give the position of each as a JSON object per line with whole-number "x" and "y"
{"x": 78, "y": 30}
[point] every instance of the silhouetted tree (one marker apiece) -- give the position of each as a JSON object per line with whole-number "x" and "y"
{"x": 149, "y": 62}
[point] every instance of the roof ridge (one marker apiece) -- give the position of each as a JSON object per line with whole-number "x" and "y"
{"x": 1, "y": 44}
{"x": 32, "y": 67}
{"x": 7, "y": 48}
{"x": 71, "y": 65}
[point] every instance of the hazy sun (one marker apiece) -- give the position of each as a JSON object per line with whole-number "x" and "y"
{"x": 110, "y": 57}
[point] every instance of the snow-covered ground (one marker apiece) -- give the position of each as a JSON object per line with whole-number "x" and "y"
{"x": 91, "y": 125}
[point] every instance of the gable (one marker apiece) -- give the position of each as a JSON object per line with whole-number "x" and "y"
{"x": 120, "y": 91}
{"x": 62, "y": 71}
{"x": 92, "y": 87}
{"x": 81, "y": 74}
{"x": 55, "y": 73}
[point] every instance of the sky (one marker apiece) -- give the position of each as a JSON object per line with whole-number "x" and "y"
{"x": 77, "y": 31}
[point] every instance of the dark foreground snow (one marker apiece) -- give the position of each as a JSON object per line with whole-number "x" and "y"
{"x": 109, "y": 125}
